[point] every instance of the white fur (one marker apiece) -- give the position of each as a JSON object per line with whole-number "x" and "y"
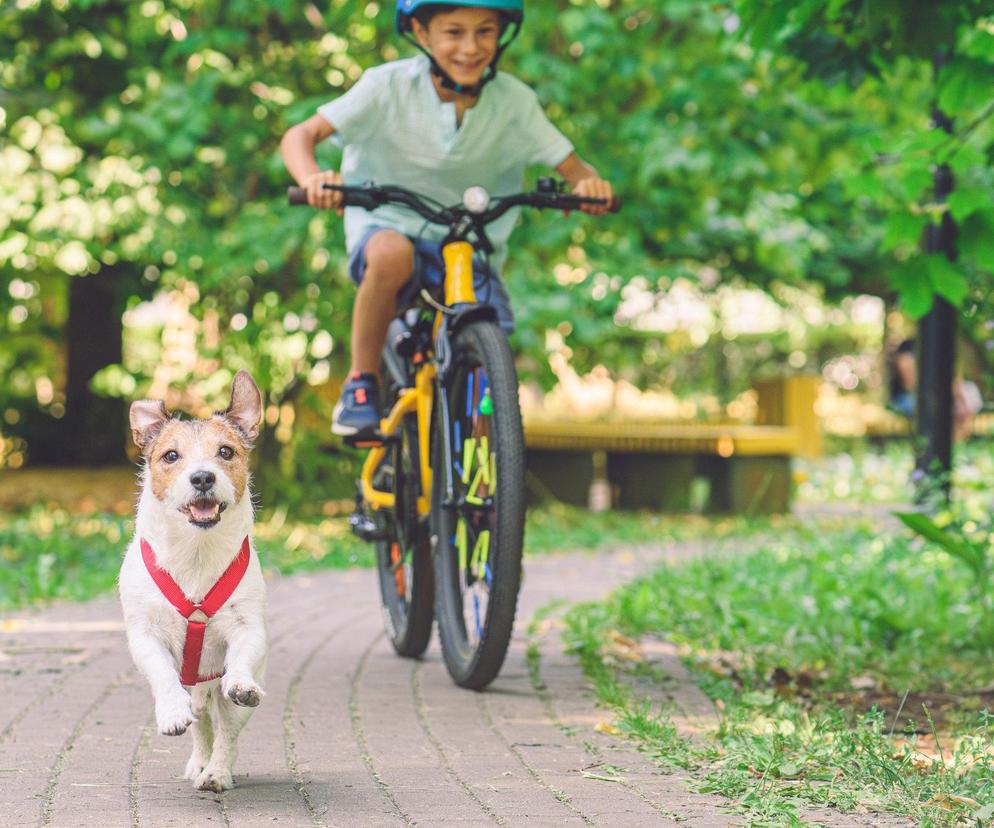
{"x": 235, "y": 641}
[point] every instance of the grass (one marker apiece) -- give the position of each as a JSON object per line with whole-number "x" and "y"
{"x": 868, "y": 474}
{"x": 850, "y": 665}
{"x": 55, "y": 553}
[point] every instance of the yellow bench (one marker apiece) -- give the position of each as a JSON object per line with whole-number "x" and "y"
{"x": 647, "y": 465}
{"x": 652, "y": 466}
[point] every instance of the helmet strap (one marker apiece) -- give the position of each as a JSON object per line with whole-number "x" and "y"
{"x": 446, "y": 80}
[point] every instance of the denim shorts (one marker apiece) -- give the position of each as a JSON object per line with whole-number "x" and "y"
{"x": 430, "y": 273}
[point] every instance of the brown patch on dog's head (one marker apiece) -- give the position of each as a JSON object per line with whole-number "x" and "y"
{"x": 200, "y": 467}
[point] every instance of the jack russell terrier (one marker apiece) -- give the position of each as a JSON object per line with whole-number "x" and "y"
{"x": 191, "y": 585}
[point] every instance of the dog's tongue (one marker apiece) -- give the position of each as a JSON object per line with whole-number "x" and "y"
{"x": 203, "y": 510}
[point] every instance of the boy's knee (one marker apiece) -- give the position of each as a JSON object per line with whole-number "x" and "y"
{"x": 390, "y": 257}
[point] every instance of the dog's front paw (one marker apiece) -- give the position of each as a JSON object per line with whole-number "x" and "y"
{"x": 173, "y": 718}
{"x": 194, "y": 767}
{"x": 213, "y": 779}
{"x": 243, "y": 693}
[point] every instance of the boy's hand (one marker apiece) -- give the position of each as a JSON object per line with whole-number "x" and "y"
{"x": 594, "y": 187}
{"x": 323, "y": 199}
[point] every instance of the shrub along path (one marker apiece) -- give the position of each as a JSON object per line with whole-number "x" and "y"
{"x": 348, "y": 733}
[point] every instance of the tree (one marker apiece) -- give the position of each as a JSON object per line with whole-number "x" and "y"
{"x": 144, "y": 139}
{"x": 914, "y": 178}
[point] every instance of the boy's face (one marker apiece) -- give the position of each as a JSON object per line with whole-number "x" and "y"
{"x": 462, "y": 41}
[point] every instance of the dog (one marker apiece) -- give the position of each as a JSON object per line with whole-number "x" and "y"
{"x": 191, "y": 586}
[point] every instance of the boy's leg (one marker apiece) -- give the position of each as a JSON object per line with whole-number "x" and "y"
{"x": 389, "y": 266}
{"x": 388, "y": 259}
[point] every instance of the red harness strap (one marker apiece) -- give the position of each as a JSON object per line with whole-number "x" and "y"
{"x": 213, "y": 601}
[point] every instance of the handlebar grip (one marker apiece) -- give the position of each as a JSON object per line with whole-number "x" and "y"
{"x": 614, "y": 205}
{"x": 297, "y": 196}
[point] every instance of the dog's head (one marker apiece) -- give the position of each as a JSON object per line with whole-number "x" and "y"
{"x": 199, "y": 467}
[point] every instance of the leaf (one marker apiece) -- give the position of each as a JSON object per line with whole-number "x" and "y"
{"x": 912, "y": 282}
{"x": 964, "y": 85}
{"x": 903, "y": 228}
{"x": 965, "y": 201}
{"x": 602, "y": 778}
{"x": 916, "y": 179}
{"x": 924, "y": 526}
{"x": 607, "y": 727}
{"x": 947, "y": 279}
{"x": 976, "y": 239}
{"x": 952, "y": 802}
{"x": 865, "y": 184}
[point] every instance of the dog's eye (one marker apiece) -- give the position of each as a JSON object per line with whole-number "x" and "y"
{"x": 170, "y": 456}
{"x": 226, "y": 452}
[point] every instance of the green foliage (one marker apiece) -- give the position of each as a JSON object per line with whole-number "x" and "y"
{"x": 51, "y": 554}
{"x": 144, "y": 136}
{"x": 868, "y": 43}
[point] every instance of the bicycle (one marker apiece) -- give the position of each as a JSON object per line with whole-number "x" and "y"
{"x": 441, "y": 492}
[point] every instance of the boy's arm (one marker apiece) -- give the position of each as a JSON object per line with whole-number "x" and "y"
{"x": 583, "y": 180}
{"x": 297, "y": 148}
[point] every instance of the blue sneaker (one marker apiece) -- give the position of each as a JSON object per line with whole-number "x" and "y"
{"x": 358, "y": 409}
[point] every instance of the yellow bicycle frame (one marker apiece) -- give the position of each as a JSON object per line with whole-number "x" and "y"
{"x": 458, "y": 257}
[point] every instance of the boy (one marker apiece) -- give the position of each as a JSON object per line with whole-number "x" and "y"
{"x": 435, "y": 124}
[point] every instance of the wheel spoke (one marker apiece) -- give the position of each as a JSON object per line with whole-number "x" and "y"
{"x": 403, "y": 554}
{"x": 474, "y": 464}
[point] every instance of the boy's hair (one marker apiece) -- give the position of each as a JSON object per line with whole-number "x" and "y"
{"x": 424, "y": 14}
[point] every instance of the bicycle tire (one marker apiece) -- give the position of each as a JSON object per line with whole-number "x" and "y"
{"x": 475, "y": 638}
{"x": 403, "y": 556}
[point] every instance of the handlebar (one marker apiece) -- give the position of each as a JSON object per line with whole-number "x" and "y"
{"x": 372, "y": 196}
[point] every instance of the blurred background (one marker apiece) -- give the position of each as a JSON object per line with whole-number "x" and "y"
{"x": 776, "y": 189}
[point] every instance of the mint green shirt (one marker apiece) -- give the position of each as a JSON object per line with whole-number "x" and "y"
{"x": 396, "y": 130}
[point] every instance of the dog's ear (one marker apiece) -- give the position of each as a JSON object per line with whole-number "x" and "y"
{"x": 245, "y": 409}
{"x": 147, "y": 419}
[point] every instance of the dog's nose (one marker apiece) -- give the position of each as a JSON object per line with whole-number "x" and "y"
{"x": 202, "y": 480}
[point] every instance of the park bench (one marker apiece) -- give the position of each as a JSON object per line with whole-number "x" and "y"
{"x": 744, "y": 469}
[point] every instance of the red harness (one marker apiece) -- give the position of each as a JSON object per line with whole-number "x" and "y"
{"x": 213, "y": 601}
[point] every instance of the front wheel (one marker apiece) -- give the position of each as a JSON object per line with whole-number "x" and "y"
{"x": 478, "y": 525}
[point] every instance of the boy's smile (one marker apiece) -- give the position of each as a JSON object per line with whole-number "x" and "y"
{"x": 463, "y": 42}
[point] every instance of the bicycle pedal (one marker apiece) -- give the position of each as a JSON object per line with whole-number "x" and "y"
{"x": 364, "y": 527}
{"x": 369, "y": 439}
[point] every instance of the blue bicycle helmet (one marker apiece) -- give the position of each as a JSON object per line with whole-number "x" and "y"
{"x": 513, "y": 11}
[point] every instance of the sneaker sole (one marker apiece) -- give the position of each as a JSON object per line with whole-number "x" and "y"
{"x": 351, "y": 431}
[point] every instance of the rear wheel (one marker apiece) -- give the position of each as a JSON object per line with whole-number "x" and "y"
{"x": 403, "y": 554}
{"x": 478, "y": 530}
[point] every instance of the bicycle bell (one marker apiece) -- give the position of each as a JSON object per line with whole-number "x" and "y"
{"x": 476, "y": 199}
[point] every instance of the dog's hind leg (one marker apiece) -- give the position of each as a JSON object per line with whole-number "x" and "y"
{"x": 227, "y": 719}
{"x": 202, "y": 730}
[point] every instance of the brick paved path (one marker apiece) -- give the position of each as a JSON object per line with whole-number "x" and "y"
{"x": 348, "y": 734}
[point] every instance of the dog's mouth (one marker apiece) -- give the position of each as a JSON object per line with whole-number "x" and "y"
{"x": 204, "y": 512}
